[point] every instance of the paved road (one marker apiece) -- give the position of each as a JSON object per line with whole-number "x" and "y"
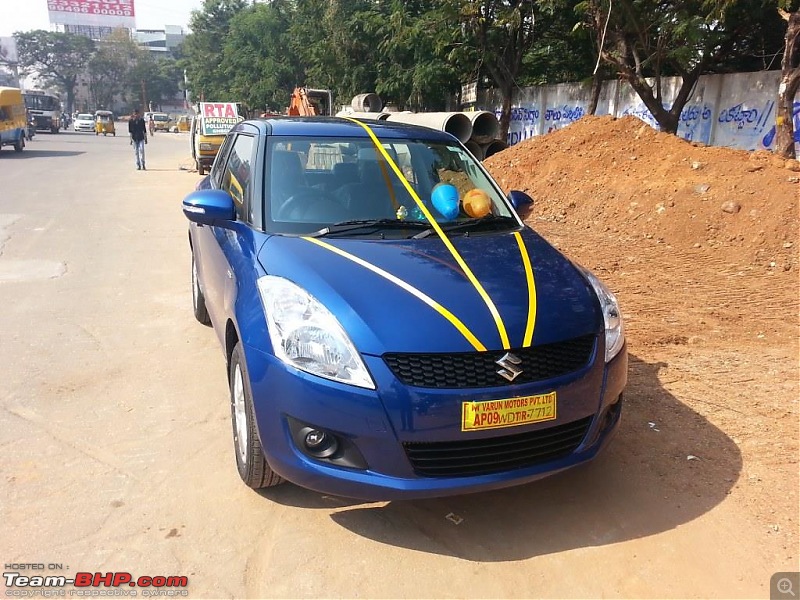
{"x": 116, "y": 452}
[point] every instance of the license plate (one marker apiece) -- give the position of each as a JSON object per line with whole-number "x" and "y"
{"x": 494, "y": 414}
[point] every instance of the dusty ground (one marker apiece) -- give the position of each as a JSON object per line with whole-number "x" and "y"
{"x": 701, "y": 246}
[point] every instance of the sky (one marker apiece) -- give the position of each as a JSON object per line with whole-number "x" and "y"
{"x": 25, "y": 15}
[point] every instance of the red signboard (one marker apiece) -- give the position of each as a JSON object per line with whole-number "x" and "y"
{"x": 94, "y": 13}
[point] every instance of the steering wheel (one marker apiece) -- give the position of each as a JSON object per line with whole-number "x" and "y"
{"x": 311, "y": 205}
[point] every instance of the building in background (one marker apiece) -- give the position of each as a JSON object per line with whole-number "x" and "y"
{"x": 161, "y": 42}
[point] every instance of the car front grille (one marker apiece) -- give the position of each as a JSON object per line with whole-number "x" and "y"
{"x": 494, "y": 455}
{"x": 479, "y": 369}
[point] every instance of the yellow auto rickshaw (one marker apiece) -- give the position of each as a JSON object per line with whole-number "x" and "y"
{"x": 104, "y": 122}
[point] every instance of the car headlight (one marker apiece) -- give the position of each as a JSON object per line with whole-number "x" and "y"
{"x": 615, "y": 328}
{"x": 307, "y": 336}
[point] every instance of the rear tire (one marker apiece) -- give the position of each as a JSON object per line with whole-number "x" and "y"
{"x": 198, "y": 299}
{"x": 250, "y": 461}
{"x": 19, "y": 144}
{"x": 201, "y": 170}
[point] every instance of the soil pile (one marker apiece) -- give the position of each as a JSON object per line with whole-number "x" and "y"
{"x": 622, "y": 177}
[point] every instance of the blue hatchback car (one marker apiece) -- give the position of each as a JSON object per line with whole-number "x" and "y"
{"x": 391, "y": 326}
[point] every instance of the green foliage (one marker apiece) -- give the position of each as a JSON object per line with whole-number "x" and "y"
{"x": 203, "y": 48}
{"x": 417, "y": 53}
{"x": 256, "y": 65}
{"x": 111, "y": 66}
{"x": 58, "y": 58}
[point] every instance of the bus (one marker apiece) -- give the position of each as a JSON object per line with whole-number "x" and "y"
{"x": 44, "y": 109}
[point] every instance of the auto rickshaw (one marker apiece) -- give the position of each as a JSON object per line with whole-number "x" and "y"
{"x": 12, "y": 118}
{"x": 104, "y": 122}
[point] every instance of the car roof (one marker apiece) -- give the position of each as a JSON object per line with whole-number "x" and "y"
{"x": 340, "y": 127}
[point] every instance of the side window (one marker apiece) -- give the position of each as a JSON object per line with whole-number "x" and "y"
{"x": 217, "y": 169}
{"x": 238, "y": 174}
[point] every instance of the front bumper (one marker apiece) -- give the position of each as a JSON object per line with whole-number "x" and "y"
{"x": 367, "y": 423}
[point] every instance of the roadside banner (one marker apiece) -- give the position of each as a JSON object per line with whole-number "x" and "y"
{"x": 218, "y": 117}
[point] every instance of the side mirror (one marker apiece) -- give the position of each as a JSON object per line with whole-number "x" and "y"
{"x": 209, "y": 207}
{"x": 521, "y": 202}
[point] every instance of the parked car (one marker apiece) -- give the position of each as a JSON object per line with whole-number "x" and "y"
{"x": 84, "y": 122}
{"x": 391, "y": 326}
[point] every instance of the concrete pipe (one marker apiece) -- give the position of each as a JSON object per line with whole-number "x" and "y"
{"x": 485, "y": 126}
{"x": 380, "y": 116}
{"x": 367, "y": 103}
{"x": 475, "y": 149}
{"x": 493, "y": 147}
{"x": 454, "y": 123}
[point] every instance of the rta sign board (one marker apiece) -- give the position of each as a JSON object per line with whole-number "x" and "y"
{"x": 218, "y": 117}
{"x": 219, "y": 109}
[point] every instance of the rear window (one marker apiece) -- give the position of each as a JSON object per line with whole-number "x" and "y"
{"x": 161, "y": 118}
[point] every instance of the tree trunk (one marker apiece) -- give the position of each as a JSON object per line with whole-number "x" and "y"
{"x": 597, "y": 85}
{"x": 505, "y": 113}
{"x": 790, "y": 83}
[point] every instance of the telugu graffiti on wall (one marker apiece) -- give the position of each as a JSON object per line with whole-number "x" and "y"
{"x": 743, "y": 116}
{"x": 744, "y": 124}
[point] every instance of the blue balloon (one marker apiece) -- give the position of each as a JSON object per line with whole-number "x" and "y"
{"x": 445, "y": 199}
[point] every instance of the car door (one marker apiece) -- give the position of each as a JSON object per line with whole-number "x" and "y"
{"x": 226, "y": 251}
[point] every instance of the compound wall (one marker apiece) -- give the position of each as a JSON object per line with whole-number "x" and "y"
{"x": 735, "y": 110}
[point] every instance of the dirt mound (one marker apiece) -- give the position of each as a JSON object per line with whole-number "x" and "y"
{"x": 622, "y": 177}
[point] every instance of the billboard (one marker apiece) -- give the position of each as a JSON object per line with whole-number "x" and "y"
{"x": 93, "y": 13}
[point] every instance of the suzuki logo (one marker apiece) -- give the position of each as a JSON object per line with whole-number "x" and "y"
{"x": 509, "y": 368}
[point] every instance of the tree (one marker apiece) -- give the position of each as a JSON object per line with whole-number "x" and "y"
{"x": 502, "y": 32}
{"x": 337, "y": 45}
{"x": 646, "y": 41}
{"x": 411, "y": 72}
{"x": 111, "y": 66}
{"x": 258, "y": 69}
{"x": 203, "y": 47}
{"x": 56, "y": 57}
{"x": 790, "y": 84}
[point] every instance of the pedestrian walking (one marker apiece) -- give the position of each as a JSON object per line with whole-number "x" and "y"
{"x": 138, "y": 132}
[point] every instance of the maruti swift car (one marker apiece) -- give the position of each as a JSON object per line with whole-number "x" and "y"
{"x": 392, "y": 328}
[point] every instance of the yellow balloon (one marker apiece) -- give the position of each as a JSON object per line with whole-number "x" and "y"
{"x": 477, "y": 203}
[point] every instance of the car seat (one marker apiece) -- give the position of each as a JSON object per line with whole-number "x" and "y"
{"x": 287, "y": 177}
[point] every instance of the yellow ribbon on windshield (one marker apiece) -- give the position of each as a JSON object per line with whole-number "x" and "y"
{"x": 501, "y": 329}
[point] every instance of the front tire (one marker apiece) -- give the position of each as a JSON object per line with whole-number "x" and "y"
{"x": 250, "y": 461}
{"x": 198, "y": 299}
{"x": 19, "y": 144}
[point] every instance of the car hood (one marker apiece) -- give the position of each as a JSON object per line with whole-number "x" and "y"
{"x": 374, "y": 288}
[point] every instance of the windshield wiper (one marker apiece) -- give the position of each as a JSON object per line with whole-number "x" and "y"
{"x": 487, "y": 222}
{"x": 373, "y": 224}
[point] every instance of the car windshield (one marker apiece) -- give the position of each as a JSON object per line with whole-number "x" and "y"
{"x": 347, "y": 187}
{"x": 160, "y": 118}
{"x": 85, "y": 117}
